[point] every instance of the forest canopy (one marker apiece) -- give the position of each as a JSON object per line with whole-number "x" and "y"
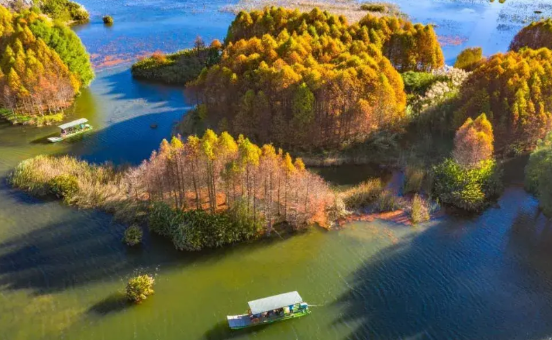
{"x": 310, "y": 79}
{"x": 515, "y": 90}
{"x": 43, "y": 65}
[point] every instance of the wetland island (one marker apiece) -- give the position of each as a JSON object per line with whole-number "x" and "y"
{"x": 390, "y": 161}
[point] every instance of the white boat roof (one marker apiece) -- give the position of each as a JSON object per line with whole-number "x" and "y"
{"x": 274, "y": 302}
{"x": 73, "y": 123}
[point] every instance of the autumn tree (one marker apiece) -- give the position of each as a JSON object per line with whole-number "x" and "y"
{"x": 34, "y": 79}
{"x": 471, "y": 179}
{"x": 515, "y": 91}
{"x": 473, "y": 142}
{"x": 409, "y": 47}
{"x": 67, "y": 45}
{"x": 469, "y": 58}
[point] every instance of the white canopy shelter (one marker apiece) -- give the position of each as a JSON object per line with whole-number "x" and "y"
{"x": 73, "y": 123}
{"x": 274, "y": 302}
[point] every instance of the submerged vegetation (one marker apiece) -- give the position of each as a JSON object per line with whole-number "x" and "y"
{"x": 180, "y": 67}
{"x": 139, "y": 288}
{"x": 133, "y": 235}
{"x": 107, "y": 20}
{"x": 43, "y": 67}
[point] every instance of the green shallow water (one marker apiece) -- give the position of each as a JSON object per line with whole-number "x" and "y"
{"x": 62, "y": 270}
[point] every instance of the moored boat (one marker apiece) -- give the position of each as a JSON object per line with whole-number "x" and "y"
{"x": 270, "y": 309}
{"x": 71, "y": 129}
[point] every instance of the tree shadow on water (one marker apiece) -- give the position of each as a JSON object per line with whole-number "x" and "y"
{"x": 86, "y": 246}
{"x": 456, "y": 280}
{"x": 114, "y": 303}
{"x": 221, "y": 331}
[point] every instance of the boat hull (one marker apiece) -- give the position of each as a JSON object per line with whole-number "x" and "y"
{"x": 243, "y": 321}
{"x": 59, "y": 139}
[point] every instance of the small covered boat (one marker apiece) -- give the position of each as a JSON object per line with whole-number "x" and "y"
{"x": 270, "y": 309}
{"x": 71, "y": 129}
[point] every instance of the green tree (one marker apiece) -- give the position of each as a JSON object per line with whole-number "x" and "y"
{"x": 469, "y": 58}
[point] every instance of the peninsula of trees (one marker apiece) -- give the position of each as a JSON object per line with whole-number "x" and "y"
{"x": 178, "y": 68}
{"x": 200, "y": 192}
{"x": 43, "y": 67}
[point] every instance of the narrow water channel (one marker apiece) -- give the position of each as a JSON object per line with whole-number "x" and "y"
{"x": 62, "y": 270}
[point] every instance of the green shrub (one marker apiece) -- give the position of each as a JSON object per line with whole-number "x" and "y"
{"x": 363, "y": 194}
{"x": 164, "y": 220}
{"x": 470, "y": 189}
{"x": 133, "y": 235}
{"x": 420, "y": 210}
{"x": 108, "y": 20}
{"x": 201, "y": 229}
{"x": 139, "y": 288}
{"x": 64, "y": 186}
{"x": 469, "y": 59}
{"x": 197, "y": 229}
{"x": 419, "y": 82}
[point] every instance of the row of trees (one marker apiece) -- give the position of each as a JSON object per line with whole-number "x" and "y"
{"x": 43, "y": 65}
{"x": 217, "y": 173}
{"x": 410, "y": 47}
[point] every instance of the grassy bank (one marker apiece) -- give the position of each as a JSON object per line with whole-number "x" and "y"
{"x": 176, "y": 68}
{"x": 67, "y": 11}
{"x": 31, "y": 120}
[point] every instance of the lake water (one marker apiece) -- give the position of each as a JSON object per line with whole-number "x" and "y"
{"x": 62, "y": 270}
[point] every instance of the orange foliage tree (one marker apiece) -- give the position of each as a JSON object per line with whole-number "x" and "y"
{"x": 33, "y": 78}
{"x": 409, "y": 47}
{"x": 473, "y": 142}
{"x": 216, "y": 172}
{"x": 515, "y": 90}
